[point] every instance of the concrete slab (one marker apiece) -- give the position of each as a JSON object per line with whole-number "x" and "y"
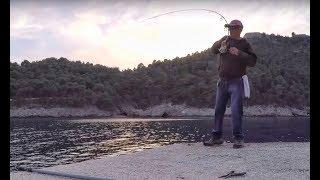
{"x": 289, "y": 160}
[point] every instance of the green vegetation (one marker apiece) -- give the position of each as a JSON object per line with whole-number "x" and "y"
{"x": 281, "y": 76}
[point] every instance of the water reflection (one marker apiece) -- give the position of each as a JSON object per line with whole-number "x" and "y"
{"x": 47, "y": 142}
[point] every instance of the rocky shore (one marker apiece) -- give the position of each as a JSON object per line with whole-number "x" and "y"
{"x": 163, "y": 110}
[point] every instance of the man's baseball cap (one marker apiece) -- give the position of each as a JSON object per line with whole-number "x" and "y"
{"x": 234, "y": 23}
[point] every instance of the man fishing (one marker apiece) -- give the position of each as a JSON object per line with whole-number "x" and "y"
{"x": 235, "y": 55}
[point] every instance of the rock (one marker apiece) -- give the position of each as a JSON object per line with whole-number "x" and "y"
{"x": 164, "y": 115}
{"x": 162, "y": 110}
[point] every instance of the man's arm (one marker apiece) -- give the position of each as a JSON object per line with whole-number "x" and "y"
{"x": 215, "y": 47}
{"x": 248, "y": 57}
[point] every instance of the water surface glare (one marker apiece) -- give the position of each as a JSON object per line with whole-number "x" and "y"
{"x": 44, "y": 142}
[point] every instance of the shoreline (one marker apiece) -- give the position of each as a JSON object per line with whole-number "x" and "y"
{"x": 162, "y": 111}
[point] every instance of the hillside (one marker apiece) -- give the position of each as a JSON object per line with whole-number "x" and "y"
{"x": 280, "y": 77}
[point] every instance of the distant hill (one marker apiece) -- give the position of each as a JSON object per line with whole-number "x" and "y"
{"x": 280, "y": 77}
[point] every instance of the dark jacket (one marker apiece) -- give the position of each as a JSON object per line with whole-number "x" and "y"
{"x": 234, "y": 66}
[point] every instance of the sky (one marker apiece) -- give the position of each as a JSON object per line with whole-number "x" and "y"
{"x": 117, "y": 34}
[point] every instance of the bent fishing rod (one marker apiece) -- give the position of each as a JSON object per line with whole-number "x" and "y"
{"x": 194, "y": 9}
{"x": 223, "y": 49}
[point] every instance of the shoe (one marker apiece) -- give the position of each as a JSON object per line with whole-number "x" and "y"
{"x": 238, "y": 143}
{"x": 213, "y": 141}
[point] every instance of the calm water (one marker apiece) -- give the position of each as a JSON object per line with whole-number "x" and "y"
{"x": 44, "y": 142}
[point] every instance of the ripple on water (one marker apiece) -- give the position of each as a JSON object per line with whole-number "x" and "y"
{"x": 45, "y": 143}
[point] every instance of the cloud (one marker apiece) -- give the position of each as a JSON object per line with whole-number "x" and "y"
{"x": 112, "y": 33}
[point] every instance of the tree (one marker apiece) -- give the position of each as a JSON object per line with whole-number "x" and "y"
{"x": 25, "y": 63}
{"x": 281, "y": 76}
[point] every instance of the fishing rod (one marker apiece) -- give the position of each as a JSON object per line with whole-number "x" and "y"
{"x": 194, "y": 9}
{"x": 223, "y": 49}
{"x": 61, "y": 174}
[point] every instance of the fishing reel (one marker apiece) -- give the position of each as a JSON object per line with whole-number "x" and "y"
{"x": 224, "y": 48}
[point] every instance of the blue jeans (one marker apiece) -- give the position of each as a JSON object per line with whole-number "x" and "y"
{"x": 225, "y": 89}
